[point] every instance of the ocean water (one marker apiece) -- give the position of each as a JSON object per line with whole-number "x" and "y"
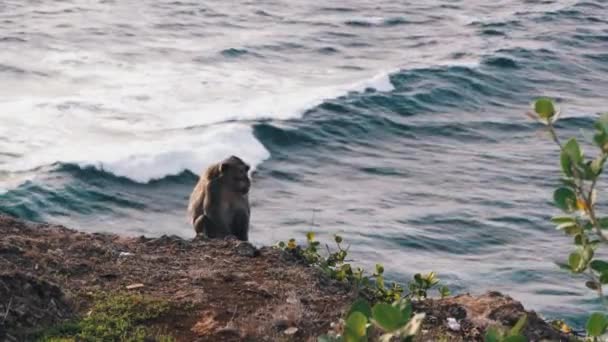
{"x": 398, "y": 124}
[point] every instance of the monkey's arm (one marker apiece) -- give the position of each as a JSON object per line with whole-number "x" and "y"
{"x": 195, "y": 205}
{"x": 212, "y": 208}
{"x": 204, "y": 225}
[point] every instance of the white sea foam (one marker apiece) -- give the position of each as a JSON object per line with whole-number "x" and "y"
{"x": 146, "y": 157}
{"x": 153, "y": 120}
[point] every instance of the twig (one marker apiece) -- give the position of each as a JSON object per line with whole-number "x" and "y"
{"x": 236, "y": 307}
{"x": 312, "y": 220}
{"x": 8, "y": 309}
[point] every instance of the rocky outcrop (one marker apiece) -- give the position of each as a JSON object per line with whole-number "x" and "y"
{"x": 465, "y": 318}
{"x": 225, "y": 290}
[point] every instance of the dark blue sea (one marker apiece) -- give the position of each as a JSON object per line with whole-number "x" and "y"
{"x": 397, "y": 124}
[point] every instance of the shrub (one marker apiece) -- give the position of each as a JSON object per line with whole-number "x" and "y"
{"x": 390, "y": 320}
{"x": 374, "y": 287}
{"x": 577, "y": 198}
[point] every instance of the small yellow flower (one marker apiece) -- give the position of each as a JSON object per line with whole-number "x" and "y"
{"x": 581, "y": 205}
{"x": 310, "y": 236}
{"x": 291, "y": 244}
{"x": 565, "y": 328}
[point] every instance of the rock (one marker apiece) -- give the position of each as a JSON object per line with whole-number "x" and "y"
{"x": 280, "y": 324}
{"x": 206, "y": 325}
{"x": 209, "y": 285}
{"x": 291, "y": 331}
{"x": 134, "y": 286}
{"x": 246, "y": 249}
{"x": 27, "y": 303}
{"x": 453, "y": 324}
{"x": 474, "y": 314}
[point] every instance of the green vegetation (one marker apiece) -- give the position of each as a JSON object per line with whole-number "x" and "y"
{"x": 116, "y": 317}
{"x": 577, "y": 198}
{"x": 387, "y": 320}
{"x": 494, "y": 334}
{"x": 372, "y": 287}
{"x": 391, "y": 316}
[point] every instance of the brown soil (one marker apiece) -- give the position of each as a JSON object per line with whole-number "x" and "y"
{"x": 229, "y": 291}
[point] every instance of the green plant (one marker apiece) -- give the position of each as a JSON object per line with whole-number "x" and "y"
{"x": 422, "y": 283}
{"x": 577, "y": 198}
{"x": 113, "y": 317}
{"x": 387, "y": 320}
{"x": 374, "y": 287}
{"x": 494, "y": 334}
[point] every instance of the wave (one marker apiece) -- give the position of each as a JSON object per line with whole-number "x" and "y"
{"x": 151, "y": 158}
{"x": 142, "y": 149}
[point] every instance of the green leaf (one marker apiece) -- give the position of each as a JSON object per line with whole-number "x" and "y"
{"x": 599, "y": 265}
{"x": 601, "y": 136}
{"x": 601, "y": 140}
{"x": 593, "y": 285}
{"x": 587, "y": 171}
{"x": 571, "y": 230}
{"x": 492, "y": 335}
{"x": 515, "y": 338}
{"x": 310, "y": 236}
{"x": 444, "y": 291}
{"x": 570, "y": 157}
{"x": 575, "y": 261}
{"x": 597, "y": 165}
{"x": 587, "y": 254}
{"x": 431, "y": 279}
{"x": 362, "y": 306}
{"x": 379, "y": 269}
{"x": 563, "y": 219}
{"x": 356, "y": 326}
{"x": 573, "y": 150}
{"x": 566, "y": 167}
{"x": 519, "y": 326}
{"x": 405, "y": 306}
{"x": 565, "y": 225}
{"x": 603, "y": 222}
{"x": 544, "y": 108}
{"x": 565, "y": 199}
{"x": 388, "y": 317}
{"x": 596, "y": 324}
{"x": 604, "y": 277}
{"x": 568, "y": 182}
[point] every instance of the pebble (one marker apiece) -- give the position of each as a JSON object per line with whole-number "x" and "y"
{"x": 453, "y": 324}
{"x": 290, "y": 331}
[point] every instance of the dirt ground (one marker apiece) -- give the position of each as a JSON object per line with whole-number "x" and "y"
{"x": 229, "y": 291}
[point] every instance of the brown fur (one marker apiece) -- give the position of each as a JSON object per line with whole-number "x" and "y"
{"x": 219, "y": 203}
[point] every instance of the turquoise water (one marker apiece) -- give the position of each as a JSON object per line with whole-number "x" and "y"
{"x": 397, "y": 125}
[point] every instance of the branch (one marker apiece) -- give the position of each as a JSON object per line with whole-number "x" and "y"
{"x": 580, "y": 189}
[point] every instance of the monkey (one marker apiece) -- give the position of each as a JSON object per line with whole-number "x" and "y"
{"x": 219, "y": 203}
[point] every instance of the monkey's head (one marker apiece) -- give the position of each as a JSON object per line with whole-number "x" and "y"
{"x": 236, "y": 173}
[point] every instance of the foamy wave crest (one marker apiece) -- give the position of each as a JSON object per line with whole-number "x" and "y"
{"x": 136, "y": 120}
{"x": 170, "y": 153}
{"x": 289, "y": 102}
